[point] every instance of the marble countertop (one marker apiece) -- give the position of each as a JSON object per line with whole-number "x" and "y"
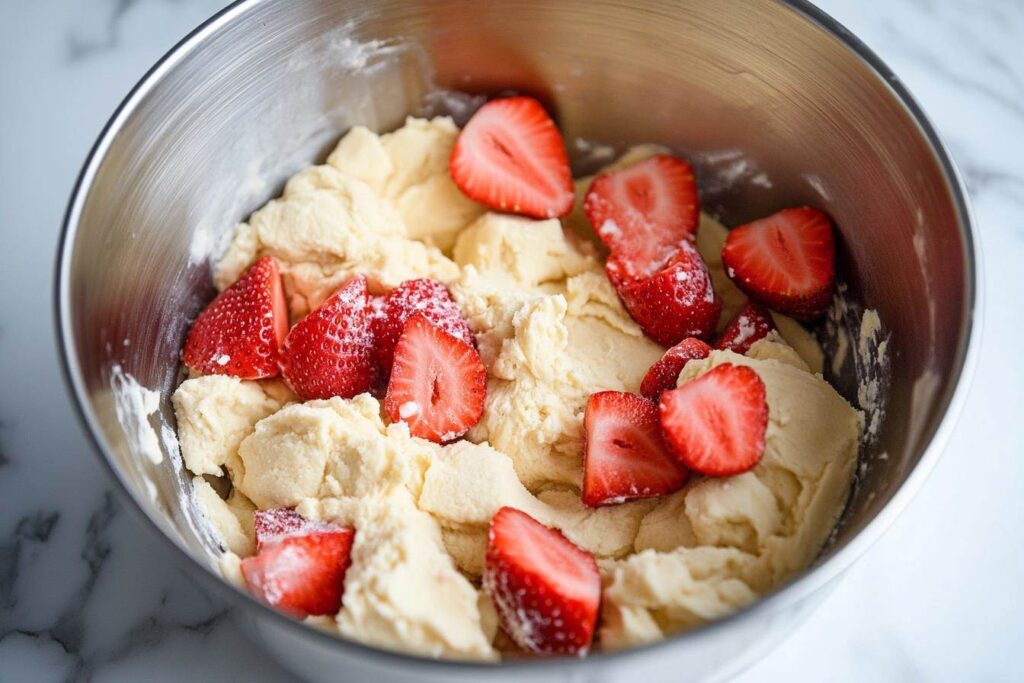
{"x": 86, "y": 594}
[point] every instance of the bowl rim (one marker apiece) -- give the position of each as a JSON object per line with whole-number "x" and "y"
{"x": 792, "y": 591}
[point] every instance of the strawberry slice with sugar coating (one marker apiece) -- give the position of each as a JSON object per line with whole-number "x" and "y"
{"x": 642, "y": 212}
{"x": 330, "y": 351}
{"x": 546, "y": 590}
{"x": 241, "y": 331}
{"x": 511, "y": 157}
{"x": 674, "y": 303}
{"x": 302, "y": 575}
{"x": 274, "y": 524}
{"x": 624, "y": 457}
{"x": 751, "y": 323}
{"x": 424, "y": 296}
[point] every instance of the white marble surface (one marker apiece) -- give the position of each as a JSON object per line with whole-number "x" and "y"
{"x": 86, "y": 594}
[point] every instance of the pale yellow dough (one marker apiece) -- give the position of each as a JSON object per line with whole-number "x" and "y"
{"x": 402, "y": 591}
{"x": 551, "y": 331}
{"x": 409, "y": 168}
{"x": 467, "y": 483}
{"x": 214, "y": 414}
{"x": 740, "y": 536}
{"x": 381, "y": 207}
{"x": 231, "y": 519}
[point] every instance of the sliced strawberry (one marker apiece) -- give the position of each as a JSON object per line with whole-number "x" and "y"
{"x": 430, "y": 299}
{"x": 330, "y": 351}
{"x": 715, "y": 424}
{"x": 643, "y": 211}
{"x": 785, "y": 261}
{"x": 664, "y": 373}
{"x": 510, "y": 156}
{"x": 241, "y": 331}
{"x": 751, "y": 323}
{"x": 376, "y": 304}
{"x": 273, "y": 525}
{"x": 674, "y": 303}
{"x": 624, "y": 457}
{"x": 302, "y": 575}
{"x": 438, "y": 383}
{"x": 545, "y": 589}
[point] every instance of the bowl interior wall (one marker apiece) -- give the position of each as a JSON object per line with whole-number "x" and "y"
{"x": 773, "y": 110}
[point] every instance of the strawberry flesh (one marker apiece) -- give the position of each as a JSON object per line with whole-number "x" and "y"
{"x": 376, "y": 304}
{"x": 240, "y": 332}
{"x": 429, "y": 298}
{"x": 642, "y": 212}
{"x": 664, "y": 374}
{"x": 302, "y": 575}
{"x": 511, "y": 157}
{"x": 438, "y": 382}
{"x": 715, "y": 424}
{"x": 545, "y": 589}
{"x": 750, "y": 324}
{"x": 674, "y": 303}
{"x": 330, "y": 351}
{"x": 785, "y": 261}
{"x": 624, "y": 457}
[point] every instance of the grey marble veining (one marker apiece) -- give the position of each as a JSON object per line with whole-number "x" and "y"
{"x": 87, "y": 594}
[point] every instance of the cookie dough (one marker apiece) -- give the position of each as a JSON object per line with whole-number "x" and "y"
{"x": 467, "y": 483}
{"x": 215, "y": 413}
{"x": 551, "y": 331}
{"x": 409, "y": 168}
{"x": 740, "y": 536}
{"x": 331, "y": 224}
{"x": 402, "y": 591}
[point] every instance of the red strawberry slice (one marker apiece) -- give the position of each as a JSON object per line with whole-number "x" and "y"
{"x": 715, "y": 424}
{"x": 438, "y": 383}
{"x": 664, "y": 373}
{"x": 430, "y": 299}
{"x": 674, "y": 303}
{"x": 273, "y": 525}
{"x": 302, "y": 575}
{"x": 751, "y": 323}
{"x": 643, "y": 211}
{"x": 375, "y": 304}
{"x": 241, "y": 331}
{"x": 545, "y": 589}
{"x": 785, "y": 261}
{"x": 330, "y": 351}
{"x": 510, "y": 156}
{"x": 624, "y": 457}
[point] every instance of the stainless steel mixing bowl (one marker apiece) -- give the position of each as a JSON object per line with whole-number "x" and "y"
{"x": 776, "y": 102}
